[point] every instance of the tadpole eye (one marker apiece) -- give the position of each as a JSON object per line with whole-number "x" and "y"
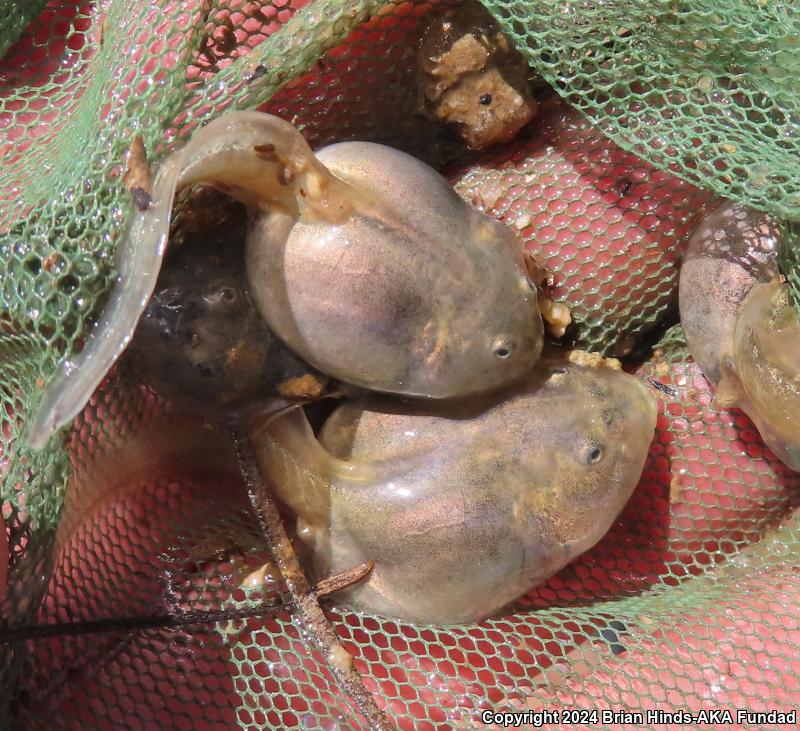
{"x": 223, "y": 295}
{"x": 593, "y": 454}
{"x": 502, "y": 349}
{"x": 206, "y": 371}
{"x": 227, "y": 294}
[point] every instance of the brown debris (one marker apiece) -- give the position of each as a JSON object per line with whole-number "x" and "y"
{"x": 556, "y": 315}
{"x": 266, "y": 152}
{"x": 256, "y": 73}
{"x": 51, "y": 263}
{"x": 471, "y": 76}
{"x": 593, "y": 360}
{"x": 305, "y": 386}
{"x": 137, "y": 178}
{"x": 344, "y": 580}
{"x": 141, "y": 198}
{"x": 675, "y": 489}
{"x": 539, "y": 274}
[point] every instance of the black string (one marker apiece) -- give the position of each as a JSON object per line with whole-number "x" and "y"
{"x": 199, "y": 616}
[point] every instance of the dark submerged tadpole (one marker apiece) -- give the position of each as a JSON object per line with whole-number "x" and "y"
{"x": 201, "y": 343}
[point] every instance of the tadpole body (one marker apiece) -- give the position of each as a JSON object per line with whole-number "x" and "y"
{"x": 740, "y": 325}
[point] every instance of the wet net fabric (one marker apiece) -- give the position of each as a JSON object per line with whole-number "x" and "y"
{"x": 690, "y": 601}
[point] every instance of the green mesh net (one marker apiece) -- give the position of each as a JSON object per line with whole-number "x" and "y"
{"x": 706, "y": 90}
{"x": 690, "y": 601}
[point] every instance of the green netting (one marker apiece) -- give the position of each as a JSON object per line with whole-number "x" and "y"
{"x": 16, "y": 18}
{"x": 790, "y": 258}
{"x": 707, "y": 88}
{"x": 690, "y": 601}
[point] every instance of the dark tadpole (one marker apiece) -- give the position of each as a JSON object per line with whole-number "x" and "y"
{"x": 201, "y": 342}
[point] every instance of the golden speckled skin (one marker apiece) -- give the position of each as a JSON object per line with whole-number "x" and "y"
{"x": 766, "y": 361}
{"x": 416, "y": 294}
{"x": 464, "y": 506}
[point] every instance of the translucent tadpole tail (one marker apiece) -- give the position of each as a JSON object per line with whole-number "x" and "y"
{"x": 266, "y": 163}
{"x": 138, "y": 265}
